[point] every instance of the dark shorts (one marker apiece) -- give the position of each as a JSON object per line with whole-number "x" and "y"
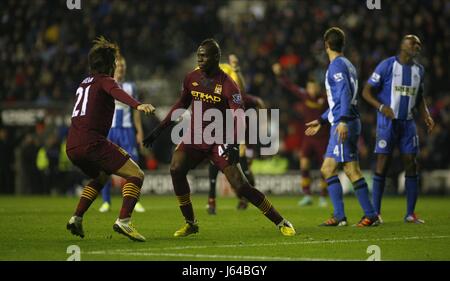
{"x": 314, "y": 147}
{"x": 102, "y": 155}
{"x": 196, "y": 155}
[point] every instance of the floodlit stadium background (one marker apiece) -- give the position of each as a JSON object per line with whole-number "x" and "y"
{"x": 43, "y": 54}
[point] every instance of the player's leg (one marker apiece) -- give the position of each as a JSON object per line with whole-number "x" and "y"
{"x": 244, "y": 163}
{"x": 385, "y": 142}
{"x": 305, "y": 165}
{"x": 353, "y": 172}
{"x": 89, "y": 194}
{"x": 79, "y": 158}
{"x": 213, "y": 172}
{"x": 258, "y": 199}
{"x": 329, "y": 172}
{"x": 409, "y": 147}
{"x": 411, "y": 187}
{"x": 128, "y": 142}
{"x": 106, "y": 191}
{"x": 131, "y": 190}
{"x": 379, "y": 180}
{"x": 349, "y": 157}
{"x": 184, "y": 158}
{"x": 320, "y": 148}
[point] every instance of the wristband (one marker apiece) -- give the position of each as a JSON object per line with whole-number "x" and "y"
{"x": 380, "y": 108}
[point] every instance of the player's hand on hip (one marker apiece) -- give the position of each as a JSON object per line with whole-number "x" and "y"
{"x": 313, "y": 127}
{"x": 388, "y": 112}
{"x": 430, "y": 123}
{"x": 146, "y": 108}
{"x": 342, "y": 131}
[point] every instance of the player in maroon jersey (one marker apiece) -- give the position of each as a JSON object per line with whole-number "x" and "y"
{"x": 212, "y": 88}
{"x": 312, "y": 105}
{"x": 246, "y": 151}
{"x": 87, "y": 146}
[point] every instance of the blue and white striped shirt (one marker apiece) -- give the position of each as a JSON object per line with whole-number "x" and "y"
{"x": 399, "y": 85}
{"x": 123, "y": 117}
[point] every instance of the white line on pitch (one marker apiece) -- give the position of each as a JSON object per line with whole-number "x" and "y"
{"x": 233, "y": 257}
{"x": 277, "y": 244}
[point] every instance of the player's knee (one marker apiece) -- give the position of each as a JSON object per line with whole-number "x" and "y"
{"x": 410, "y": 168}
{"x": 140, "y": 174}
{"x": 326, "y": 171}
{"x": 352, "y": 172}
{"x": 241, "y": 186}
{"x": 176, "y": 170}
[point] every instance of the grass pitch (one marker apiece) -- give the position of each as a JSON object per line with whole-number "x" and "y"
{"x": 33, "y": 228}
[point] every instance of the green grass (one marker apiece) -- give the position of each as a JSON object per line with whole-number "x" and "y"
{"x": 33, "y": 228}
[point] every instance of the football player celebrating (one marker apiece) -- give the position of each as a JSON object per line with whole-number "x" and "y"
{"x": 90, "y": 150}
{"x": 209, "y": 87}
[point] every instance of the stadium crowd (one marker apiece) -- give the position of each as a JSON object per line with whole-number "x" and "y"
{"x": 43, "y": 51}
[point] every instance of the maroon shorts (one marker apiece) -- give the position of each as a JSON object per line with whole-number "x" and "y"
{"x": 102, "y": 155}
{"x": 314, "y": 147}
{"x": 196, "y": 155}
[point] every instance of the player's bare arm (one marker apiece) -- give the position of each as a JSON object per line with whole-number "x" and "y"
{"x": 138, "y": 126}
{"x": 423, "y": 108}
{"x": 313, "y": 127}
{"x": 369, "y": 97}
{"x": 286, "y": 82}
{"x": 234, "y": 62}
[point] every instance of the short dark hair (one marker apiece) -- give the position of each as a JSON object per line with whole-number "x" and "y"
{"x": 211, "y": 44}
{"x": 102, "y": 56}
{"x": 335, "y": 38}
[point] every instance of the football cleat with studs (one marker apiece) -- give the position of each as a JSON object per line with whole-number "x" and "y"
{"x": 75, "y": 225}
{"x": 335, "y": 222}
{"x": 368, "y": 221}
{"x": 187, "y": 229}
{"x": 286, "y": 228}
{"x": 125, "y": 227}
{"x": 413, "y": 219}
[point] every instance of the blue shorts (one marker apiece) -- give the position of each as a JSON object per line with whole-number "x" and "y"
{"x": 125, "y": 138}
{"x": 348, "y": 150}
{"x": 396, "y": 132}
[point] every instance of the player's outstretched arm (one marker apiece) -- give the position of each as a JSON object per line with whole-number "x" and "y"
{"x": 369, "y": 97}
{"x": 146, "y": 108}
{"x": 286, "y": 83}
{"x": 183, "y": 102}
